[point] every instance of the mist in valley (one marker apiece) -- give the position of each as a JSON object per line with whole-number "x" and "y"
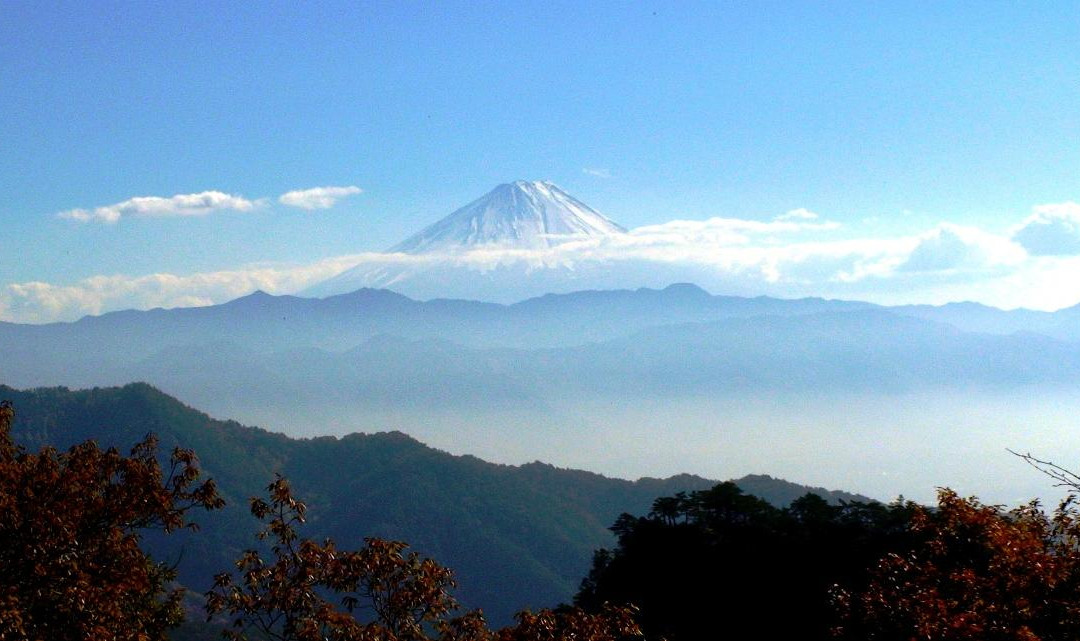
{"x": 882, "y": 445}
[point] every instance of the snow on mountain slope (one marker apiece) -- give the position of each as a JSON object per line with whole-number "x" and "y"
{"x": 451, "y": 258}
{"x": 522, "y": 215}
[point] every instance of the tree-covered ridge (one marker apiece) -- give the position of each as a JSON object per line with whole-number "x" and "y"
{"x": 517, "y": 536}
{"x": 298, "y": 589}
{"x": 707, "y": 563}
{"x": 719, "y": 562}
{"x": 74, "y": 567}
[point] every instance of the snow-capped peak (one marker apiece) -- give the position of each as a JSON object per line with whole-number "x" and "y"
{"x": 521, "y": 214}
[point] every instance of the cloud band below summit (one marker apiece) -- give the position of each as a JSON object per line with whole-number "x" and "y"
{"x": 790, "y": 258}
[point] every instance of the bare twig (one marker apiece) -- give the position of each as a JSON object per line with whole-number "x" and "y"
{"x": 1063, "y": 477}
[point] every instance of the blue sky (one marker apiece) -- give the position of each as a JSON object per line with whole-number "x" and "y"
{"x": 886, "y": 119}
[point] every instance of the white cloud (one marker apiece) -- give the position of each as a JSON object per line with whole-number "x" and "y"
{"x": 776, "y": 257}
{"x": 798, "y": 214}
{"x": 761, "y": 255}
{"x": 317, "y": 197}
{"x": 1043, "y": 282}
{"x": 36, "y": 302}
{"x": 952, "y": 247}
{"x": 796, "y": 254}
{"x": 712, "y": 229}
{"x": 198, "y": 204}
{"x": 1051, "y": 230}
{"x": 599, "y": 172}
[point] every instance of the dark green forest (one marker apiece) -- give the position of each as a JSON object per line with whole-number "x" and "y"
{"x": 758, "y": 571}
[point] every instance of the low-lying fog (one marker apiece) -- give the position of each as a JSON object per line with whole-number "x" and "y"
{"x": 878, "y": 445}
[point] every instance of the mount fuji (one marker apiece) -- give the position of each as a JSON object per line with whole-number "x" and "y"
{"x": 500, "y": 247}
{"x": 521, "y": 215}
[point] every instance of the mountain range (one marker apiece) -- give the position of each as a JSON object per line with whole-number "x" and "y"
{"x": 629, "y": 382}
{"x": 538, "y": 333}
{"x": 376, "y": 348}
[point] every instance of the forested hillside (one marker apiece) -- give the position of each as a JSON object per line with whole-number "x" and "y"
{"x": 516, "y": 536}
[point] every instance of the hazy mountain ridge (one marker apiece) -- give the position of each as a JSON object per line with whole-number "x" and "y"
{"x": 314, "y": 362}
{"x": 266, "y": 323}
{"x": 516, "y": 535}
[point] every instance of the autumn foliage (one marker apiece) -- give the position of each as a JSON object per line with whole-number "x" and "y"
{"x": 703, "y": 565}
{"x": 309, "y": 591}
{"x": 979, "y": 574}
{"x": 71, "y": 566}
{"x": 70, "y": 562}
